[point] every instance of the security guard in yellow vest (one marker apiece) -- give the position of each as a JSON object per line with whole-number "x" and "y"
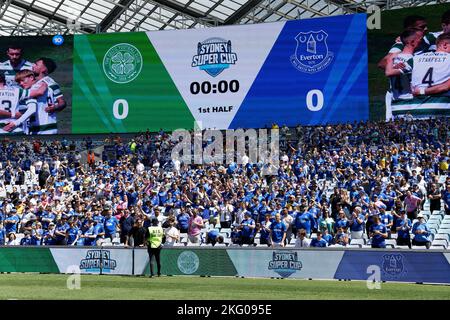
{"x": 154, "y": 236}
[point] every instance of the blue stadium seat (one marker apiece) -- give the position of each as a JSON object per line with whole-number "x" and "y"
{"x": 225, "y": 230}
{"x": 442, "y": 243}
{"x": 434, "y": 219}
{"x": 177, "y": 244}
{"x": 391, "y": 242}
{"x": 224, "y": 234}
{"x": 444, "y": 230}
{"x": 359, "y": 242}
{"x": 220, "y": 245}
{"x": 190, "y": 244}
{"x": 442, "y": 236}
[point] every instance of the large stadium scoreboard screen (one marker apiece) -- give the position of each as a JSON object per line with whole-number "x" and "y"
{"x": 229, "y": 77}
{"x": 309, "y": 72}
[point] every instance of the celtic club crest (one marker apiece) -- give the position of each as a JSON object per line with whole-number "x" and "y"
{"x": 122, "y": 63}
{"x": 188, "y": 262}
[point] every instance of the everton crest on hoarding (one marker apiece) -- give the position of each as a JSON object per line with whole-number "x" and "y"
{"x": 311, "y": 54}
{"x": 393, "y": 265}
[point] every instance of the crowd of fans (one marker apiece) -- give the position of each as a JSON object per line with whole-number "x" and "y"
{"x": 339, "y": 182}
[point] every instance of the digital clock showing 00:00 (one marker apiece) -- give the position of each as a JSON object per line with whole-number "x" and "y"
{"x": 207, "y": 87}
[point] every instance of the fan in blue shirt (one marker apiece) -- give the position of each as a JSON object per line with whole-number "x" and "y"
{"x": 110, "y": 224}
{"x": 319, "y": 242}
{"x": 11, "y": 221}
{"x": 247, "y": 229}
{"x": 60, "y": 231}
{"x": 48, "y": 237}
{"x": 304, "y": 220}
{"x": 265, "y": 230}
{"x": 89, "y": 235}
{"x": 27, "y": 240}
{"x": 342, "y": 221}
{"x": 403, "y": 227}
{"x": 326, "y": 236}
{"x": 97, "y": 217}
{"x": 278, "y": 231}
{"x": 262, "y": 210}
{"x": 388, "y": 196}
{"x": 378, "y": 233}
{"x": 47, "y": 217}
{"x": 183, "y": 221}
{"x": 446, "y": 199}
{"x": 388, "y": 220}
{"x": 72, "y": 234}
{"x": 2, "y": 234}
{"x": 357, "y": 222}
{"x": 211, "y": 236}
{"x": 99, "y": 229}
{"x": 421, "y": 232}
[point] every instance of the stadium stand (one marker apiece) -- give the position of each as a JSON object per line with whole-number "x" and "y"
{"x": 49, "y": 195}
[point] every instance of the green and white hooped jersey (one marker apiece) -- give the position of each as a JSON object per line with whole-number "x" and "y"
{"x": 400, "y": 86}
{"x": 428, "y": 44}
{"x": 428, "y": 69}
{"x": 10, "y": 73}
{"x": 9, "y": 101}
{"x": 44, "y": 122}
{"x": 53, "y": 89}
{"x": 432, "y": 38}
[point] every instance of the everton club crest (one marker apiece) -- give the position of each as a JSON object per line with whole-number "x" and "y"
{"x": 311, "y": 54}
{"x": 392, "y": 265}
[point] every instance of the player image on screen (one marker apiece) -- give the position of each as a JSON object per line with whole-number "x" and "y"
{"x": 45, "y": 121}
{"x": 400, "y": 79}
{"x": 10, "y": 97}
{"x": 445, "y": 23}
{"x": 14, "y": 64}
{"x": 26, "y": 79}
{"x": 402, "y": 65}
{"x": 410, "y": 22}
{"x": 431, "y": 72}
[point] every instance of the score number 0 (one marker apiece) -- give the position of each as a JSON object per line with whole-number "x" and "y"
{"x": 116, "y": 109}
{"x": 123, "y": 104}
{"x": 310, "y": 100}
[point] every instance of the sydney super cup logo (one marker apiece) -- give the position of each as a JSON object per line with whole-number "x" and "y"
{"x": 122, "y": 63}
{"x": 214, "y": 55}
{"x": 285, "y": 263}
{"x": 98, "y": 259}
{"x": 188, "y": 262}
{"x": 311, "y": 54}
